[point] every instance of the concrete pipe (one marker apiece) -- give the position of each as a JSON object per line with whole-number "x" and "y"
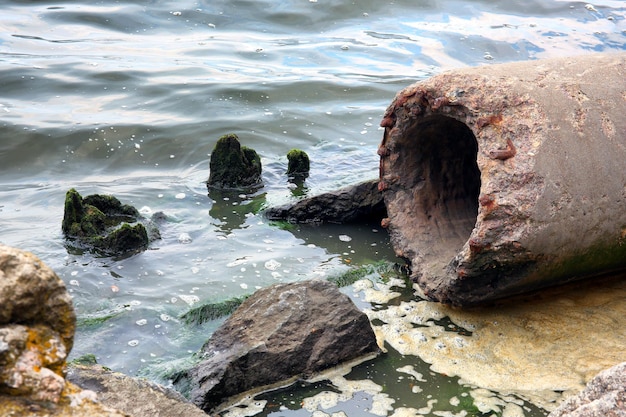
{"x": 508, "y": 178}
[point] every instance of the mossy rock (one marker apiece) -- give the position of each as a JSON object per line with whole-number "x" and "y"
{"x": 233, "y": 166}
{"x": 101, "y": 223}
{"x": 298, "y": 164}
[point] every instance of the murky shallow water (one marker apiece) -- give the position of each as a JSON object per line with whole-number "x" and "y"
{"x": 128, "y": 98}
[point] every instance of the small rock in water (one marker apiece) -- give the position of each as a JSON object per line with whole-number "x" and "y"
{"x": 345, "y": 238}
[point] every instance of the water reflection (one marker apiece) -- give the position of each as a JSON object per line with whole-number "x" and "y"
{"x": 231, "y": 208}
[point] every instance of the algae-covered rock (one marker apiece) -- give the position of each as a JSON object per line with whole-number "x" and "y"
{"x": 102, "y": 223}
{"x": 233, "y": 165}
{"x": 299, "y": 164}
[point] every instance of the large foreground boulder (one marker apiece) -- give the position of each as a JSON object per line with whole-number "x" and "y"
{"x": 604, "y": 396}
{"x": 357, "y": 203}
{"x": 508, "y": 178}
{"x": 280, "y": 332}
{"x": 37, "y": 324}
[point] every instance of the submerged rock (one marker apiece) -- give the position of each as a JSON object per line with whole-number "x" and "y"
{"x": 280, "y": 333}
{"x": 233, "y": 165}
{"x": 604, "y": 396}
{"x": 101, "y": 223}
{"x": 361, "y": 202}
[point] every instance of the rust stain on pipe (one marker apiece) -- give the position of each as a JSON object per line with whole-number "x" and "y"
{"x": 508, "y": 178}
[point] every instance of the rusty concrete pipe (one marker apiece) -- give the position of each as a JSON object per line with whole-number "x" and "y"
{"x": 508, "y": 178}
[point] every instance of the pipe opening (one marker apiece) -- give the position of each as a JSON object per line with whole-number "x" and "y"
{"x": 438, "y": 168}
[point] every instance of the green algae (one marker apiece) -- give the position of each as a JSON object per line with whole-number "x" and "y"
{"x": 87, "y": 359}
{"x": 96, "y": 320}
{"x": 212, "y": 311}
{"x": 380, "y": 269}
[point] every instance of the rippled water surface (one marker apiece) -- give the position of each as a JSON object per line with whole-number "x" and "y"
{"x": 129, "y": 97}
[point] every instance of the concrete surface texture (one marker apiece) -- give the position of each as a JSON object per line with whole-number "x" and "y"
{"x": 508, "y": 178}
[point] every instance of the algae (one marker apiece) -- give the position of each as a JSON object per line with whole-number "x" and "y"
{"x": 383, "y": 269}
{"x": 212, "y": 311}
{"x": 86, "y": 359}
{"x": 95, "y": 320}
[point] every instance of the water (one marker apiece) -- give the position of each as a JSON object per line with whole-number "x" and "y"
{"x": 128, "y": 98}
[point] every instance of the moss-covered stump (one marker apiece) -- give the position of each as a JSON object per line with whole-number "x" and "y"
{"x": 298, "y": 165}
{"x": 233, "y": 166}
{"x": 103, "y": 224}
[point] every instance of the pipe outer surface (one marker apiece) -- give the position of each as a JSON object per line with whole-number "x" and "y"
{"x": 508, "y": 178}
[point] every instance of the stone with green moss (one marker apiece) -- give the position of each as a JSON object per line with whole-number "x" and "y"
{"x": 103, "y": 224}
{"x": 298, "y": 163}
{"x": 233, "y": 166}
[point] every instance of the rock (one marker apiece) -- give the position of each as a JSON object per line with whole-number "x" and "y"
{"x": 37, "y": 325}
{"x": 73, "y": 402}
{"x": 298, "y": 165}
{"x": 32, "y": 362}
{"x": 233, "y": 165}
{"x": 32, "y": 294}
{"x": 508, "y": 178}
{"x": 604, "y": 396}
{"x": 101, "y": 223}
{"x": 137, "y": 397}
{"x": 280, "y": 333}
{"x": 361, "y": 202}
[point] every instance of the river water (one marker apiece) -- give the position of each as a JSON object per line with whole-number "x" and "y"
{"x": 129, "y": 97}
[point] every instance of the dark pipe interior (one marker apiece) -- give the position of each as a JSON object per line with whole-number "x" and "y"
{"x": 437, "y": 162}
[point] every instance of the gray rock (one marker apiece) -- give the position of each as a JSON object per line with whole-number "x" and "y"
{"x": 604, "y": 396}
{"x": 137, "y": 397}
{"x": 361, "y": 202}
{"x": 280, "y": 332}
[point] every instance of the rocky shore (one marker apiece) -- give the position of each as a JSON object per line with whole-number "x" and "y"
{"x": 313, "y": 325}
